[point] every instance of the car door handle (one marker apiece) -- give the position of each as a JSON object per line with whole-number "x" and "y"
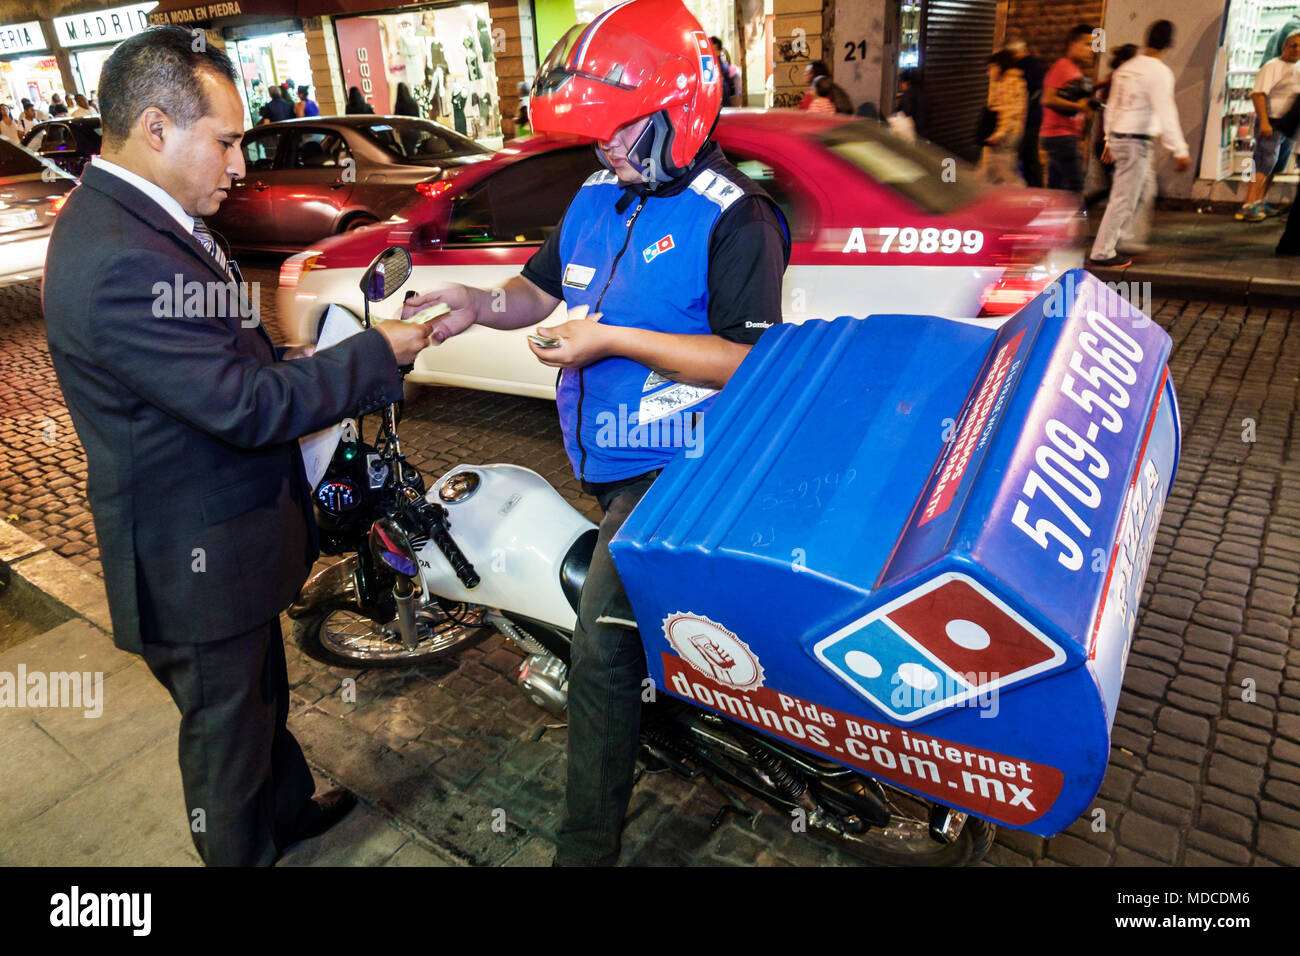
{"x": 338, "y": 184}
{"x": 260, "y": 186}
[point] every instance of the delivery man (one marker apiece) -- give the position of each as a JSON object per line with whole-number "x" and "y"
{"x": 679, "y": 259}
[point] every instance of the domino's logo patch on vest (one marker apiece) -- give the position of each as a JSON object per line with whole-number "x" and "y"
{"x": 652, "y": 250}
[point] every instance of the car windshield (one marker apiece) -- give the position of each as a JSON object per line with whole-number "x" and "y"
{"x": 422, "y": 142}
{"x": 927, "y": 175}
{"x": 15, "y": 161}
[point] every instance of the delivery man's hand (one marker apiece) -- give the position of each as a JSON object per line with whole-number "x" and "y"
{"x": 460, "y": 299}
{"x": 583, "y": 341}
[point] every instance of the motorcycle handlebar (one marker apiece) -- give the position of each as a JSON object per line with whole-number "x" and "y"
{"x": 434, "y": 517}
{"x": 455, "y": 557}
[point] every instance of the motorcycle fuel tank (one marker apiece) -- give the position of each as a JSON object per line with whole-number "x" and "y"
{"x": 916, "y": 547}
{"x": 515, "y": 529}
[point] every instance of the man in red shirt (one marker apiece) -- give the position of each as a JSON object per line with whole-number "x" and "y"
{"x": 1067, "y": 99}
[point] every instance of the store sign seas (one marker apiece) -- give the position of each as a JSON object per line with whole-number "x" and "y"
{"x": 107, "y": 26}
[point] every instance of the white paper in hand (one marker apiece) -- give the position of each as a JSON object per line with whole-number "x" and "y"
{"x": 318, "y": 447}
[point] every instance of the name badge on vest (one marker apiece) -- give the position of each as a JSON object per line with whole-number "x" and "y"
{"x": 578, "y": 277}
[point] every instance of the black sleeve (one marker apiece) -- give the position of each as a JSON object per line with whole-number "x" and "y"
{"x": 748, "y": 253}
{"x": 544, "y": 268}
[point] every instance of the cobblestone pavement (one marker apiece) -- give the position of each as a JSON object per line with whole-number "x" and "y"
{"x": 1205, "y": 763}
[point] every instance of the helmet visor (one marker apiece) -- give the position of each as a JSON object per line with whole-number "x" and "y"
{"x": 574, "y": 57}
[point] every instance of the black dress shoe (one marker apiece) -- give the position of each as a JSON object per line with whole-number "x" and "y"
{"x": 328, "y": 809}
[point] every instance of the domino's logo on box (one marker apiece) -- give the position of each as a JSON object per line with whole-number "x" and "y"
{"x": 941, "y": 645}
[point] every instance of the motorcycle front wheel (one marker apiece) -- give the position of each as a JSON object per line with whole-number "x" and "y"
{"x": 343, "y": 638}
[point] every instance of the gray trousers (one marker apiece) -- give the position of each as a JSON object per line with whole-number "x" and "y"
{"x": 1134, "y": 165}
{"x": 240, "y": 765}
{"x": 605, "y": 686}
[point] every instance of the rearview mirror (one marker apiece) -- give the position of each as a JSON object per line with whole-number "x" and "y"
{"x": 390, "y": 269}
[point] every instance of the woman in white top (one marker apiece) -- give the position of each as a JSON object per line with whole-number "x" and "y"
{"x": 8, "y": 129}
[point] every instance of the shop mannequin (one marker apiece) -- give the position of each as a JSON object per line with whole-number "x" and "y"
{"x": 473, "y": 66}
{"x": 412, "y": 50}
{"x": 459, "y": 97}
{"x": 484, "y": 39}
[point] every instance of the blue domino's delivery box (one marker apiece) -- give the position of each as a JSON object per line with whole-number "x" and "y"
{"x": 916, "y": 547}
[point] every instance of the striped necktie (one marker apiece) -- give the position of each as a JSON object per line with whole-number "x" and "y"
{"x": 204, "y": 236}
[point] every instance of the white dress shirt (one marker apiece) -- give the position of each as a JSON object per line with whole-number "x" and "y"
{"x": 152, "y": 190}
{"x": 1141, "y": 102}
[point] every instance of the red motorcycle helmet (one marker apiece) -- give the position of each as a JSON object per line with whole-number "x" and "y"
{"x": 640, "y": 58}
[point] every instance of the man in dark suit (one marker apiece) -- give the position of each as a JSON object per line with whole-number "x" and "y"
{"x": 189, "y": 417}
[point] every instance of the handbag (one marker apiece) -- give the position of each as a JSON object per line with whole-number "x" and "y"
{"x": 987, "y": 124}
{"x": 1289, "y": 122}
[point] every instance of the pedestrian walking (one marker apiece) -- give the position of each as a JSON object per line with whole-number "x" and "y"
{"x": 1031, "y": 166}
{"x": 1096, "y": 181}
{"x": 357, "y": 103}
{"x": 1273, "y": 49}
{"x": 1067, "y": 97}
{"x": 277, "y": 108}
{"x": 821, "y": 101}
{"x": 1008, "y": 102}
{"x": 305, "y": 106}
{"x": 29, "y": 117}
{"x": 1141, "y": 109}
{"x": 731, "y": 84}
{"x": 811, "y": 71}
{"x": 1276, "y": 86}
{"x": 404, "y": 104}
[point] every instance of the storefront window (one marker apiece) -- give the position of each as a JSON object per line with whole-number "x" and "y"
{"x": 1251, "y": 24}
{"x": 267, "y": 61}
{"x": 35, "y": 78}
{"x": 87, "y": 65}
{"x": 440, "y": 56}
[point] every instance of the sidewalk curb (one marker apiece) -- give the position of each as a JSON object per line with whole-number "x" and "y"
{"x": 54, "y": 576}
{"x": 1193, "y": 284}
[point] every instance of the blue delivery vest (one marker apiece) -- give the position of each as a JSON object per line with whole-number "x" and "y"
{"x": 647, "y": 268}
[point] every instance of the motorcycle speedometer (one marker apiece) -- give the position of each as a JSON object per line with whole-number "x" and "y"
{"x": 338, "y": 495}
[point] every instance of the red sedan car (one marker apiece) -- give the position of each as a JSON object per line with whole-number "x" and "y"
{"x": 878, "y": 226}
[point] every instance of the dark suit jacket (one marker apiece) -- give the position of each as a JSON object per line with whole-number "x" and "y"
{"x": 189, "y": 421}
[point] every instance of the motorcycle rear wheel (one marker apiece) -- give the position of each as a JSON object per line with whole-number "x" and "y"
{"x": 906, "y": 841}
{"x": 341, "y": 637}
